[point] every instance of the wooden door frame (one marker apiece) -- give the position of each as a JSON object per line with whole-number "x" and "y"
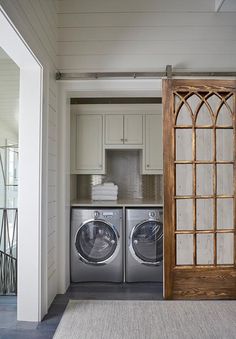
{"x": 190, "y": 282}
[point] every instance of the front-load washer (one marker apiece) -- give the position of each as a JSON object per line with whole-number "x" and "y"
{"x": 144, "y": 245}
{"x": 96, "y": 245}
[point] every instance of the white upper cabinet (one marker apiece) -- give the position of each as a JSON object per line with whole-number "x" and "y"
{"x": 153, "y": 150}
{"x": 86, "y": 144}
{"x": 123, "y": 129}
{"x": 94, "y": 130}
{"x": 114, "y": 129}
{"x": 133, "y": 129}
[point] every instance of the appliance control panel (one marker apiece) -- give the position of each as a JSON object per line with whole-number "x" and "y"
{"x": 108, "y": 214}
{"x": 105, "y": 214}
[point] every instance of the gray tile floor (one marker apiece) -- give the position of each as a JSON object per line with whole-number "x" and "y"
{"x": 10, "y": 328}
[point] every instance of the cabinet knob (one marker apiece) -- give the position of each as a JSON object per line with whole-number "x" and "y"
{"x": 148, "y": 165}
{"x": 121, "y": 139}
{"x": 126, "y": 139}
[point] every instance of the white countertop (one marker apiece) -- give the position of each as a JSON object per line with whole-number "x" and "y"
{"x": 117, "y": 203}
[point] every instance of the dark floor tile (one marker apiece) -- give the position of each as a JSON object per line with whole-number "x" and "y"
{"x": 26, "y": 334}
{"x": 7, "y": 307}
{"x": 8, "y": 300}
{"x": 8, "y": 316}
{"x": 26, "y": 325}
{"x": 61, "y": 299}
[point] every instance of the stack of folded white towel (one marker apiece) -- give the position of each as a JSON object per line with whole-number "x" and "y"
{"x": 106, "y": 191}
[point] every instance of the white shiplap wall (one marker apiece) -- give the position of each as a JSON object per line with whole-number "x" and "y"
{"x": 9, "y": 100}
{"x": 37, "y": 23}
{"x": 137, "y": 35}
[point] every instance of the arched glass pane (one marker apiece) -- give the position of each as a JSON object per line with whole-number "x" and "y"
{"x": 230, "y": 102}
{"x": 147, "y": 241}
{"x": 214, "y": 102}
{"x": 194, "y": 101}
{"x": 203, "y": 116}
{"x": 177, "y": 102}
{"x": 224, "y": 117}
{"x": 184, "y": 116}
{"x": 96, "y": 241}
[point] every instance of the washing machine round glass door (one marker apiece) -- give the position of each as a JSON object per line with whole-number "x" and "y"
{"x": 97, "y": 242}
{"x": 146, "y": 242}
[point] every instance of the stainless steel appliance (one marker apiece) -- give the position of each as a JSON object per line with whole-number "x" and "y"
{"x": 96, "y": 245}
{"x": 144, "y": 244}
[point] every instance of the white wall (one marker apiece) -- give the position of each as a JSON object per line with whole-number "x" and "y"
{"x": 138, "y": 35}
{"x": 36, "y": 21}
{"x": 9, "y": 100}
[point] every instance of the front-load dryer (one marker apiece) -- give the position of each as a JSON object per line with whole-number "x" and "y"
{"x": 144, "y": 245}
{"x": 96, "y": 245}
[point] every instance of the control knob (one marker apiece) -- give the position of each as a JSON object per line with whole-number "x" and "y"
{"x": 152, "y": 214}
{"x": 96, "y": 214}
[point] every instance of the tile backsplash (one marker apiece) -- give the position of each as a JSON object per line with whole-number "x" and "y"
{"x": 123, "y": 168}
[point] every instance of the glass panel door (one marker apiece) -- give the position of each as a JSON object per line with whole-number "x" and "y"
{"x": 199, "y": 119}
{"x": 204, "y": 176}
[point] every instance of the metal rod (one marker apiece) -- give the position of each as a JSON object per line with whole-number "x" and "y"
{"x": 140, "y": 75}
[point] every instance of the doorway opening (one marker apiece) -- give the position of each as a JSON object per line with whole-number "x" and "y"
{"x": 30, "y": 274}
{"x": 9, "y": 117}
{"x": 116, "y": 197}
{"x": 105, "y": 93}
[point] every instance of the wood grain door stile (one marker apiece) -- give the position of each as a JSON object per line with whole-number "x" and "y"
{"x": 199, "y": 139}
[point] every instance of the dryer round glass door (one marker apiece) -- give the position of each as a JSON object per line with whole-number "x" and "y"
{"x": 96, "y": 242}
{"x": 146, "y": 242}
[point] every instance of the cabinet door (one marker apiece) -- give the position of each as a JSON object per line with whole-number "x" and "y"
{"x": 114, "y": 129}
{"x": 133, "y": 129}
{"x": 153, "y": 161}
{"x": 88, "y": 142}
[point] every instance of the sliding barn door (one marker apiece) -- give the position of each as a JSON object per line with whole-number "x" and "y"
{"x": 199, "y": 189}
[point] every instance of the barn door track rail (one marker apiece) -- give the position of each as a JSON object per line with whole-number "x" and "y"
{"x": 168, "y": 73}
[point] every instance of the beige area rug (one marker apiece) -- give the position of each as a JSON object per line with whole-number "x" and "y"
{"x": 128, "y": 319}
